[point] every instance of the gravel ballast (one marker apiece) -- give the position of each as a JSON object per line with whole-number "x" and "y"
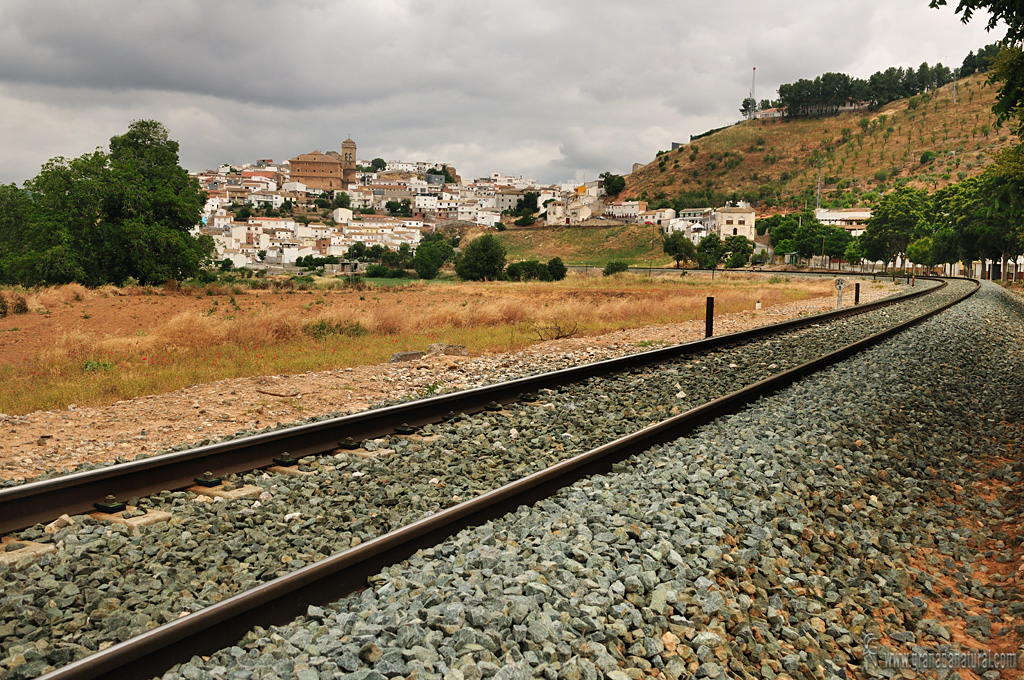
{"x": 106, "y": 584}
{"x": 879, "y": 497}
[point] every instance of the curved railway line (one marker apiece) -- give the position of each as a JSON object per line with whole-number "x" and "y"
{"x": 796, "y": 349}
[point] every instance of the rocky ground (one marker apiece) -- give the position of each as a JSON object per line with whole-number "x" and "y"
{"x": 869, "y": 511}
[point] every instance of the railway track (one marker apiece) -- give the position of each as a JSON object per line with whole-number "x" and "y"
{"x": 42, "y": 501}
{"x": 328, "y": 578}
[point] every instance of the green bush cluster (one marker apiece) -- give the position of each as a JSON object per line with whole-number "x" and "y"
{"x": 614, "y": 267}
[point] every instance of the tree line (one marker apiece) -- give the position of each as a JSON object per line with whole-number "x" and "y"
{"x": 827, "y": 93}
{"x": 980, "y": 218}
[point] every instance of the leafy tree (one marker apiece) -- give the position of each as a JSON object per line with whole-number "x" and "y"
{"x": 356, "y": 250}
{"x": 679, "y": 246}
{"x": 613, "y": 184}
{"x": 854, "y": 251}
{"x": 836, "y": 241}
{"x": 739, "y": 249}
{"x": 482, "y": 260}
{"x": 893, "y": 224}
{"x": 810, "y": 237}
{"x": 527, "y": 204}
{"x": 710, "y": 252}
{"x": 390, "y": 258}
{"x": 401, "y": 208}
{"x": 404, "y": 255}
{"x": 528, "y": 270}
{"x": 341, "y": 200}
{"x": 261, "y": 255}
{"x": 378, "y": 164}
{"x": 430, "y": 257}
{"x": 920, "y": 252}
{"x": 376, "y": 252}
{"x": 557, "y": 269}
{"x": 106, "y": 217}
{"x": 749, "y": 107}
{"x": 783, "y": 230}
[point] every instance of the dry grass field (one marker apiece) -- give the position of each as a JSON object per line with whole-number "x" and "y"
{"x": 94, "y": 347}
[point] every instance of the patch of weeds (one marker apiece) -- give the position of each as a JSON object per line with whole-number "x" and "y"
{"x": 94, "y": 366}
{"x": 322, "y": 329}
{"x": 431, "y": 389}
{"x": 19, "y": 305}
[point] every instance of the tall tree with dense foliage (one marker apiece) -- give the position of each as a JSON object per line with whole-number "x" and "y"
{"x": 710, "y": 252}
{"x": 894, "y": 223}
{"x": 613, "y": 184}
{"x": 482, "y": 260}
{"x": 739, "y": 249}
{"x": 106, "y": 217}
{"x": 679, "y": 246}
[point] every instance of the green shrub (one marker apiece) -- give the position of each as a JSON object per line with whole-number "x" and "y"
{"x": 530, "y": 270}
{"x": 557, "y": 269}
{"x": 377, "y": 271}
{"x": 614, "y": 268}
{"x": 927, "y": 157}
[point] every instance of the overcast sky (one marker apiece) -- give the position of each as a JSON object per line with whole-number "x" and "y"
{"x": 554, "y": 90}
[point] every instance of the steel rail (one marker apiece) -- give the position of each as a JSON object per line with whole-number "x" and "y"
{"x": 278, "y": 601}
{"x": 42, "y": 501}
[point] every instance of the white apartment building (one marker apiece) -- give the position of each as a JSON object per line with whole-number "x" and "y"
{"x": 626, "y": 210}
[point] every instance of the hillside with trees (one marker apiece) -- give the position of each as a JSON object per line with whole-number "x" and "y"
{"x": 924, "y": 142}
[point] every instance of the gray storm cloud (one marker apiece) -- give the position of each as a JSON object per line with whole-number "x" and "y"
{"x": 550, "y": 90}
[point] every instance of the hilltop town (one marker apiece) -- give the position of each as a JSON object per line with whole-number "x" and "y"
{"x": 321, "y": 204}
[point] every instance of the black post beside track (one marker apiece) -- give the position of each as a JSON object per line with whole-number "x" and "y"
{"x": 42, "y": 501}
{"x": 280, "y": 600}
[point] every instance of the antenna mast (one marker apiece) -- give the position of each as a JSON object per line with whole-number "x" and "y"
{"x": 753, "y": 81}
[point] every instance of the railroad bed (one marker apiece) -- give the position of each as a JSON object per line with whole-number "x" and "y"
{"x": 767, "y": 545}
{"x": 106, "y": 583}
